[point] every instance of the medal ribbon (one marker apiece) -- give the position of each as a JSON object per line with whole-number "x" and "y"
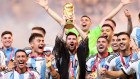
{"x": 73, "y": 63}
{"x": 11, "y": 54}
{"x": 122, "y": 60}
{"x": 96, "y": 62}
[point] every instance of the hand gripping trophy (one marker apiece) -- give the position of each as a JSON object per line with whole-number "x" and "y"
{"x": 68, "y": 14}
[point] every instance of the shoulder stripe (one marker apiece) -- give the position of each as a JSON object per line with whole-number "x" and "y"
{"x": 114, "y": 55}
{"x": 92, "y": 56}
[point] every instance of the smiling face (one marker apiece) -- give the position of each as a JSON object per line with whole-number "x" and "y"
{"x": 38, "y": 45}
{"x": 21, "y": 59}
{"x": 102, "y": 45}
{"x": 114, "y": 43}
{"x": 7, "y": 40}
{"x": 71, "y": 42}
{"x": 107, "y": 32}
{"x": 124, "y": 42}
{"x": 85, "y": 23}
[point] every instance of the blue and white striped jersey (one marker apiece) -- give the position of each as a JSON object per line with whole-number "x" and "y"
{"x": 136, "y": 35}
{"x": 39, "y": 64}
{"x": 101, "y": 63}
{"x": 115, "y": 63}
{"x": 134, "y": 67}
{"x": 27, "y": 75}
{"x": 9, "y": 53}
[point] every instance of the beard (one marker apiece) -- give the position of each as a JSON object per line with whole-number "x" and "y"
{"x": 72, "y": 48}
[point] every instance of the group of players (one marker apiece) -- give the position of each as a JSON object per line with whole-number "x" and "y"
{"x": 78, "y": 53}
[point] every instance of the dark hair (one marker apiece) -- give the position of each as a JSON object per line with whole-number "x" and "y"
{"x": 124, "y": 33}
{"x": 107, "y": 25}
{"x": 111, "y": 21}
{"x": 40, "y": 29}
{"x": 116, "y": 34}
{"x": 139, "y": 16}
{"x": 33, "y": 36}
{"x": 104, "y": 38}
{"x": 21, "y": 50}
{"x": 6, "y": 32}
{"x": 71, "y": 33}
{"x": 86, "y": 16}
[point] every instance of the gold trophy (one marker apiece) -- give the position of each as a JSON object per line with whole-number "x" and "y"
{"x": 68, "y": 13}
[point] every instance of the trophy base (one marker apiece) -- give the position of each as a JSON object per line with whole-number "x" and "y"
{"x": 69, "y": 26}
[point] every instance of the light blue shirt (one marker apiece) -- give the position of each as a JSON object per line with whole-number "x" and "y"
{"x": 9, "y": 53}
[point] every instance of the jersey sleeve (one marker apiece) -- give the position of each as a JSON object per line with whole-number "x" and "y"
{"x": 2, "y": 58}
{"x": 84, "y": 46}
{"x": 111, "y": 62}
{"x": 133, "y": 33}
{"x": 90, "y": 63}
{"x": 130, "y": 69}
{"x": 37, "y": 76}
{"x": 59, "y": 47}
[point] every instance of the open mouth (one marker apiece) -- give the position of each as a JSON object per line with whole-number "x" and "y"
{"x": 84, "y": 25}
{"x": 41, "y": 47}
{"x": 106, "y": 36}
{"x": 101, "y": 47}
{"x": 71, "y": 44}
{"x": 21, "y": 63}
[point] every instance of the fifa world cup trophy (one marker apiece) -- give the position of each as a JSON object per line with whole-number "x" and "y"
{"x": 68, "y": 14}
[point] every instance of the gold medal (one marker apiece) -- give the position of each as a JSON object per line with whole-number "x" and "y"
{"x": 94, "y": 75}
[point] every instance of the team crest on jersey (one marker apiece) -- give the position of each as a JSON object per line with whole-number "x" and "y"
{"x": 126, "y": 66}
{"x": 106, "y": 66}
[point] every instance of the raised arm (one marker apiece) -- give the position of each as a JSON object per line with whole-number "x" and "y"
{"x": 129, "y": 26}
{"x": 54, "y": 15}
{"x": 82, "y": 34}
{"x": 115, "y": 10}
{"x": 61, "y": 33}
